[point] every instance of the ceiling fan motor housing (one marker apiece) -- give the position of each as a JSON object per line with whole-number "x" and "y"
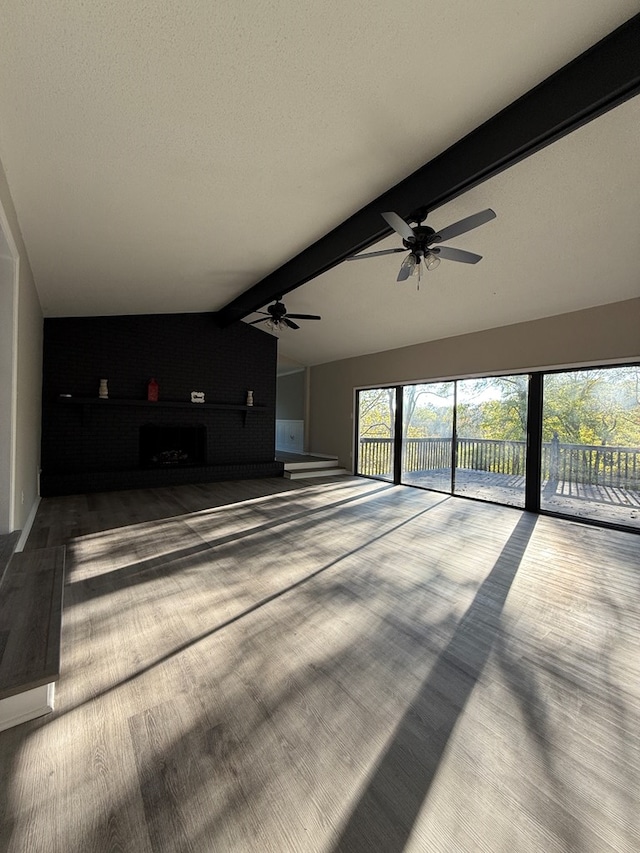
{"x": 423, "y": 236}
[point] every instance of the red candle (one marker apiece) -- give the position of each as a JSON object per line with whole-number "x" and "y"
{"x": 152, "y": 391}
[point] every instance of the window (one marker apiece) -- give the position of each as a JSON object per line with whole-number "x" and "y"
{"x": 491, "y": 447}
{"x": 427, "y": 432}
{"x": 376, "y": 430}
{"x": 576, "y": 454}
{"x": 591, "y": 444}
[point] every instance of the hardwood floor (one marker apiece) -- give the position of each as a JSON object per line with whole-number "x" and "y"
{"x": 30, "y": 617}
{"x": 8, "y": 543}
{"x": 350, "y": 666}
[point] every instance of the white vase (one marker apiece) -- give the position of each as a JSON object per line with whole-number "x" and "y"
{"x": 249, "y": 398}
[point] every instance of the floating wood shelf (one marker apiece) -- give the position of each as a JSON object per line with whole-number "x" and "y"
{"x": 160, "y": 404}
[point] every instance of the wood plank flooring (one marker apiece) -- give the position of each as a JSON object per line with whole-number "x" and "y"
{"x": 30, "y": 617}
{"x": 349, "y": 666}
{"x": 8, "y": 542}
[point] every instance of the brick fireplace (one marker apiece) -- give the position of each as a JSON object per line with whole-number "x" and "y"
{"x": 92, "y": 444}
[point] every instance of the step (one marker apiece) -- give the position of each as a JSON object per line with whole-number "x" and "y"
{"x": 311, "y": 464}
{"x": 306, "y": 473}
{"x": 30, "y": 626}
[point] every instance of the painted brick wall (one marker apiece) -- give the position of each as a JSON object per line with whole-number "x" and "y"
{"x": 183, "y": 352}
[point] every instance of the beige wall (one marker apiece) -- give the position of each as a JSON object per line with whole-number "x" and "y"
{"x": 29, "y": 372}
{"x": 290, "y": 402}
{"x": 595, "y": 335}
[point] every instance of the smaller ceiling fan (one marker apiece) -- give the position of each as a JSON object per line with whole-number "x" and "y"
{"x": 277, "y": 319}
{"x": 419, "y": 241}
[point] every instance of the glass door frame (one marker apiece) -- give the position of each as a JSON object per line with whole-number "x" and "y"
{"x": 533, "y": 473}
{"x": 396, "y": 462}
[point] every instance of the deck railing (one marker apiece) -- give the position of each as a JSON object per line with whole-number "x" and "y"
{"x": 572, "y": 463}
{"x": 596, "y": 464}
{"x": 375, "y": 457}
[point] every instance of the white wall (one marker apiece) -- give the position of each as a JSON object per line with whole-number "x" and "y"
{"x": 28, "y": 375}
{"x": 8, "y": 330}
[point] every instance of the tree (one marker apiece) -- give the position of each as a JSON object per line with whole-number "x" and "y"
{"x": 600, "y": 406}
{"x": 427, "y": 410}
{"x": 493, "y": 407}
{"x": 593, "y": 406}
{"x": 376, "y": 413}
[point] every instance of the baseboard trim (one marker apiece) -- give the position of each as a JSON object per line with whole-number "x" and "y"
{"x": 26, "y": 530}
{"x": 83, "y": 482}
{"x": 26, "y": 706}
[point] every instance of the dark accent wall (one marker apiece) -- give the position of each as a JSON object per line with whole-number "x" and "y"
{"x": 93, "y": 445}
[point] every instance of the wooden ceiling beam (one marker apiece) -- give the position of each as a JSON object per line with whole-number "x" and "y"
{"x": 598, "y": 80}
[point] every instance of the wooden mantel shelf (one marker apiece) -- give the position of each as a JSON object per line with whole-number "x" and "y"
{"x": 160, "y": 404}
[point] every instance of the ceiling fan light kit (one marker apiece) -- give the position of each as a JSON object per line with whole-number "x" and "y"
{"x": 410, "y": 265}
{"x": 420, "y": 240}
{"x": 277, "y": 319}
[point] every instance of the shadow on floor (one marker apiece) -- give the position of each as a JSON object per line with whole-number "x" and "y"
{"x": 385, "y": 814}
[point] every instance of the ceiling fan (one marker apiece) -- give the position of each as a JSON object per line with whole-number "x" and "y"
{"x": 277, "y": 319}
{"x": 420, "y": 241}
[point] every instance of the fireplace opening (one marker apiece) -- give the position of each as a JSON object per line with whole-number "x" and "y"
{"x": 172, "y": 446}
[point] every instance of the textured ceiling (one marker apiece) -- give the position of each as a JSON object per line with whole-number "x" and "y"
{"x": 565, "y": 238}
{"x": 164, "y": 159}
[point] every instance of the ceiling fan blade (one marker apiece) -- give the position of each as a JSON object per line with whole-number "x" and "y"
{"x": 304, "y": 316}
{"x": 253, "y": 322}
{"x": 375, "y": 254}
{"x": 404, "y": 273}
{"x": 290, "y": 323}
{"x": 399, "y": 225}
{"x": 451, "y": 254}
{"x": 463, "y": 225}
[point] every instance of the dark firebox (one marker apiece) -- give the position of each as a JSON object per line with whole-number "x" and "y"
{"x": 172, "y": 446}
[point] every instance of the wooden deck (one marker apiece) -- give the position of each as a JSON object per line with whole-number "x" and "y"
{"x": 281, "y": 666}
{"x": 581, "y": 500}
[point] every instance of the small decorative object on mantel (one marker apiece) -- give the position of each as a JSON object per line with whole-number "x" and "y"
{"x": 249, "y": 398}
{"x": 152, "y": 391}
{"x": 197, "y": 396}
{"x": 103, "y": 391}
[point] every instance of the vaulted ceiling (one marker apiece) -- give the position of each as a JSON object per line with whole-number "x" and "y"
{"x": 166, "y": 159}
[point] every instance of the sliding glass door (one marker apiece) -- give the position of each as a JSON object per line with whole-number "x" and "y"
{"x": 376, "y": 431}
{"x": 467, "y": 437}
{"x": 566, "y": 442}
{"x": 491, "y": 446}
{"x": 427, "y": 430}
{"x": 591, "y": 444}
